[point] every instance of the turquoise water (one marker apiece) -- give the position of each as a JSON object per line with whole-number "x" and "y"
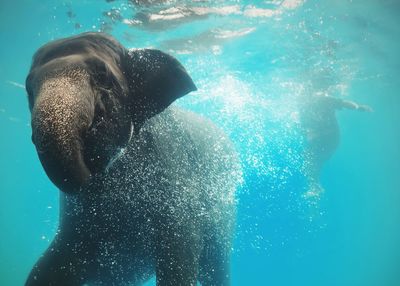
{"x": 251, "y": 61}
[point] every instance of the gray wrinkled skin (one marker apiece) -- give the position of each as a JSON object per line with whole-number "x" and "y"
{"x": 167, "y": 202}
{"x": 163, "y": 205}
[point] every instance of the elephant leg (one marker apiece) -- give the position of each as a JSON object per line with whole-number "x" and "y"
{"x": 178, "y": 253}
{"x": 215, "y": 264}
{"x": 59, "y": 266}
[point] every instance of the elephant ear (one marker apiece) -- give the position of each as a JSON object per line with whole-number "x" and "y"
{"x": 155, "y": 80}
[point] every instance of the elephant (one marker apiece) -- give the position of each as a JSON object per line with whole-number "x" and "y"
{"x": 317, "y": 117}
{"x": 146, "y": 188}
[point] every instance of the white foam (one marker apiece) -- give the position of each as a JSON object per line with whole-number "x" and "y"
{"x": 254, "y": 12}
{"x": 291, "y": 4}
{"x": 228, "y": 34}
{"x": 222, "y": 11}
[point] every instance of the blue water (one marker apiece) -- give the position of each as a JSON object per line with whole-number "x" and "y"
{"x": 250, "y": 60}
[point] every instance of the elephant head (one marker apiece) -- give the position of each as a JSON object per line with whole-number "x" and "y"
{"x": 88, "y": 94}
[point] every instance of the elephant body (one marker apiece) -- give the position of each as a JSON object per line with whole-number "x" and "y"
{"x": 162, "y": 204}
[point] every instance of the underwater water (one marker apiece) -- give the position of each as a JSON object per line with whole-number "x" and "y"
{"x": 252, "y": 62}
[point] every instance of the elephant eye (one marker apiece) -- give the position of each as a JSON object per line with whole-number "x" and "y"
{"x": 104, "y": 79}
{"x": 101, "y": 74}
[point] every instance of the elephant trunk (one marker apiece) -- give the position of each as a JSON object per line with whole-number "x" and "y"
{"x": 62, "y": 113}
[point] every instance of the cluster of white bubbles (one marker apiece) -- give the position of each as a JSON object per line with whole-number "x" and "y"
{"x": 177, "y": 178}
{"x": 257, "y": 109}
